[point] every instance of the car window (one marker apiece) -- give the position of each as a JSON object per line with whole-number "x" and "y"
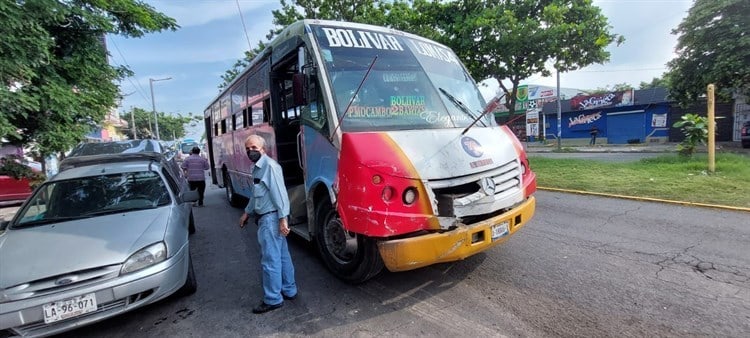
{"x": 96, "y": 195}
{"x": 172, "y": 183}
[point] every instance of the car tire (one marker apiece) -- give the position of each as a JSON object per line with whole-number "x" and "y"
{"x": 191, "y": 284}
{"x": 351, "y": 257}
{"x": 191, "y": 224}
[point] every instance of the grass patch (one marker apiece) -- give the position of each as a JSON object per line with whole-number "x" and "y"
{"x": 666, "y": 177}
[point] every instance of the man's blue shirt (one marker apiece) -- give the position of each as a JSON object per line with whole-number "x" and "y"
{"x": 269, "y": 192}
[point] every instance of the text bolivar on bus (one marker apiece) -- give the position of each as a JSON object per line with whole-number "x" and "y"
{"x": 387, "y": 153}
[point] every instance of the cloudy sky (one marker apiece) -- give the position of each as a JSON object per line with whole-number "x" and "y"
{"x": 212, "y": 38}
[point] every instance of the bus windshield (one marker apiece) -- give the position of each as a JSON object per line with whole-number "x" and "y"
{"x": 413, "y": 84}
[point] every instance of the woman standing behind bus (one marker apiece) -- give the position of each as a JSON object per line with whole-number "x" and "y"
{"x": 194, "y": 167}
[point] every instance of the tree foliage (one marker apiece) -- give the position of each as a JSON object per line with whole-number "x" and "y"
{"x": 508, "y": 40}
{"x": 171, "y": 127}
{"x": 55, "y": 80}
{"x": 512, "y": 40}
{"x": 713, "y": 47}
{"x": 657, "y": 82}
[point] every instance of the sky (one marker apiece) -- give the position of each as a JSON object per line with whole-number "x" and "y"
{"x": 213, "y": 36}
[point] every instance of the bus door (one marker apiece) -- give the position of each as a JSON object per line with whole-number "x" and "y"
{"x": 285, "y": 119}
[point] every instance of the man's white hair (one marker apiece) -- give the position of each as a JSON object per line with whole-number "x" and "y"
{"x": 258, "y": 139}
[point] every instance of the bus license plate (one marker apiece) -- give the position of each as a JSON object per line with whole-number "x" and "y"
{"x": 69, "y": 308}
{"x": 500, "y": 230}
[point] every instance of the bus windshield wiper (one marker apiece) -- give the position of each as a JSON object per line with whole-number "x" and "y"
{"x": 490, "y": 107}
{"x": 330, "y": 138}
{"x": 461, "y": 106}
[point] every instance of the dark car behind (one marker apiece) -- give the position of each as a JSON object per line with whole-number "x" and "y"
{"x": 745, "y": 134}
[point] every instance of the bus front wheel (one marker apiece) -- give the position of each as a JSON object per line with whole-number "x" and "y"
{"x": 232, "y": 197}
{"x": 351, "y": 257}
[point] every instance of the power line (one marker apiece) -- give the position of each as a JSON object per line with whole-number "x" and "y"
{"x": 137, "y": 84}
{"x": 244, "y": 29}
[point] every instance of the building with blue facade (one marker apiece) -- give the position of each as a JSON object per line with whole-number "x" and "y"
{"x": 631, "y": 116}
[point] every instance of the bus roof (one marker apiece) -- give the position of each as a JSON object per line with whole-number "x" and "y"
{"x": 298, "y": 29}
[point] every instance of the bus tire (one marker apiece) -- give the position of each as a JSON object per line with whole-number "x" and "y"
{"x": 233, "y": 198}
{"x": 351, "y": 257}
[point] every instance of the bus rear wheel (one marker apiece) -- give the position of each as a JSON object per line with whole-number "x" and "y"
{"x": 351, "y": 257}
{"x": 232, "y": 197}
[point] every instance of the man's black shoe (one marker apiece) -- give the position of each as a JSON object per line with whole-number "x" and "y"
{"x": 263, "y": 307}
{"x": 290, "y": 297}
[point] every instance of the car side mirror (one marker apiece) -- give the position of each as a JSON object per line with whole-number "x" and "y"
{"x": 189, "y": 196}
{"x": 299, "y": 89}
{"x": 3, "y": 225}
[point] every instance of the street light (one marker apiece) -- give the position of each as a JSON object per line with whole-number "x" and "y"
{"x": 153, "y": 103}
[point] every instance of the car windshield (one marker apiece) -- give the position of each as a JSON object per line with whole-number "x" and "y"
{"x": 187, "y": 147}
{"x": 407, "y": 84}
{"x": 94, "y": 196}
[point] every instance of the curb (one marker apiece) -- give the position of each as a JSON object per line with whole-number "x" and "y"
{"x": 648, "y": 199}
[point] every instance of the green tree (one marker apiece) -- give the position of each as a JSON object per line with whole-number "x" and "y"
{"x": 511, "y": 40}
{"x": 55, "y": 81}
{"x": 657, "y": 82}
{"x": 171, "y": 127}
{"x": 617, "y": 87}
{"x": 713, "y": 47}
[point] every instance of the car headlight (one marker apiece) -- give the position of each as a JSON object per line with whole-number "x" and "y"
{"x": 144, "y": 258}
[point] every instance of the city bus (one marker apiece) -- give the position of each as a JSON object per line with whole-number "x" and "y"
{"x": 389, "y": 155}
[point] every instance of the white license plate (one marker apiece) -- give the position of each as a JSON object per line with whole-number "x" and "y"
{"x": 69, "y": 308}
{"x": 500, "y": 230}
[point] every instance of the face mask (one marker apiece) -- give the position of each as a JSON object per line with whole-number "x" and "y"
{"x": 253, "y": 155}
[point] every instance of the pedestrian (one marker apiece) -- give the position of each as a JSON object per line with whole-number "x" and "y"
{"x": 594, "y": 132}
{"x": 270, "y": 205}
{"x": 194, "y": 167}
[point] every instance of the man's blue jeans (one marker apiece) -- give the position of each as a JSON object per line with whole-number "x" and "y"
{"x": 278, "y": 271}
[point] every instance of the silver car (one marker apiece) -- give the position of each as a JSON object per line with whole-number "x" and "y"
{"x": 106, "y": 235}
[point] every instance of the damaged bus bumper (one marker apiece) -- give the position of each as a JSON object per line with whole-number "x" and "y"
{"x": 464, "y": 241}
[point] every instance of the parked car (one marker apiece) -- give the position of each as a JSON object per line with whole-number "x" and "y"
{"x": 745, "y": 134}
{"x": 14, "y": 189}
{"x": 106, "y": 235}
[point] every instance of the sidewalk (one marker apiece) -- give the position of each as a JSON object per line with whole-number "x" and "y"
{"x": 537, "y": 147}
{"x": 7, "y": 212}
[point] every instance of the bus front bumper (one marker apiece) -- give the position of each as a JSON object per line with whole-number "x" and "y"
{"x": 464, "y": 241}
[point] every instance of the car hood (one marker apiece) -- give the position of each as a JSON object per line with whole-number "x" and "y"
{"x": 49, "y": 250}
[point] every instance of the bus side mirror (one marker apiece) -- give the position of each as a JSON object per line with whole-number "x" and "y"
{"x": 299, "y": 89}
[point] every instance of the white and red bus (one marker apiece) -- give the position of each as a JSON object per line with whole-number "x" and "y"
{"x": 388, "y": 155}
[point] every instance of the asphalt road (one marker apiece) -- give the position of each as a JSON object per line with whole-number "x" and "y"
{"x": 584, "y": 266}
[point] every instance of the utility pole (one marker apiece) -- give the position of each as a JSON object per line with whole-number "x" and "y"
{"x": 132, "y": 120}
{"x": 153, "y": 103}
{"x": 559, "y": 113}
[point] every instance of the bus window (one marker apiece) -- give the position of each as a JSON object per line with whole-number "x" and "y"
{"x": 223, "y": 126}
{"x": 257, "y": 113}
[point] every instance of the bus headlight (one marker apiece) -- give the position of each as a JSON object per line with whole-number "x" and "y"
{"x": 410, "y": 195}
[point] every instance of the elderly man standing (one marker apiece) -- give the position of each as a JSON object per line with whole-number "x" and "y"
{"x": 270, "y": 204}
